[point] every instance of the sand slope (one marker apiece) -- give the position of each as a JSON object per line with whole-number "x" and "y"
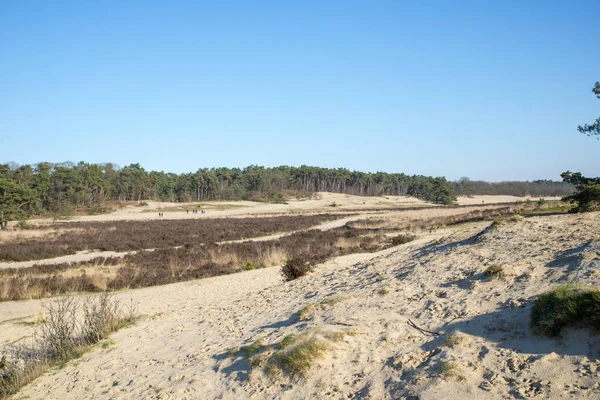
{"x": 180, "y": 349}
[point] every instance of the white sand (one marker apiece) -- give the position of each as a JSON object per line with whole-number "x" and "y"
{"x": 179, "y": 350}
{"x": 219, "y": 209}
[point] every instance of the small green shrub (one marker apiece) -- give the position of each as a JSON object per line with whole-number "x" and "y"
{"x": 287, "y": 340}
{"x": 254, "y": 347}
{"x": 142, "y": 204}
{"x": 23, "y": 224}
{"x": 566, "y": 305}
{"x": 494, "y": 271}
{"x": 249, "y": 266}
{"x": 333, "y": 204}
{"x": 540, "y": 203}
{"x": 453, "y": 340}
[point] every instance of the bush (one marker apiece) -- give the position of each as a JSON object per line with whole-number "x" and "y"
{"x": 566, "y": 305}
{"x": 23, "y": 224}
{"x": 249, "y": 266}
{"x": 61, "y": 337}
{"x": 295, "y": 267}
{"x": 401, "y": 239}
{"x": 494, "y": 271}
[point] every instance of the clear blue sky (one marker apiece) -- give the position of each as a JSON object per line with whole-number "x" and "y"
{"x": 488, "y": 90}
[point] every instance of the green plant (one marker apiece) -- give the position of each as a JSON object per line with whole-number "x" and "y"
{"x": 249, "y": 266}
{"x": 23, "y": 224}
{"x": 254, "y": 347}
{"x": 453, "y": 340}
{"x": 566, "y": 305}
{"x": 333, "y": 204}
{"x": 232, "y": 351}
{"x": 449, "y": 369}
{"x": 587, "y": 196}
{"x": 540, "y": 203}
{"x": 296, "y": 359}
{"x": 287, "y": 340}
{"x": 306, "y": 312}
{"x": 142, "y": 204}
{"x": 494, "y": 271}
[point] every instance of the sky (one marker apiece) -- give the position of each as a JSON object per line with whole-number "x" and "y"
{"x": 490, "y": 90}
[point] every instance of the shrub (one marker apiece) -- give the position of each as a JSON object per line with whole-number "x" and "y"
{"x": 23, "y": 224}
{"x": 297, "y": 358}
{"x": 566, "y": 305}
{"x": 401, "y": 239}
{"x": 494, "y": 271}
{"x": 61, "y": 337}
{"x": 295, "y": 267}
{"x": 540, "y": 203}
{"x": 453, "y": 340}
{"x": 249, "y": 266}
{"x": 333, "y": 204}
{"x": 254, "y": 347}
{"x": 449, "y": 369}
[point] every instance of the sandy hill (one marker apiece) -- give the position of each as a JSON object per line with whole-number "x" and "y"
{"x": 421, "y": 320}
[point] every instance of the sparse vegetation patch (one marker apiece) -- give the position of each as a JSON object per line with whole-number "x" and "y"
{"x": 494, "y": 271}
{"x": 564, "y": 306}
{"x": 69, "y": 329}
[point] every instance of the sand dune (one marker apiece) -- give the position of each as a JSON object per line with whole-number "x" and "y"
{"x": 181, "y": 349}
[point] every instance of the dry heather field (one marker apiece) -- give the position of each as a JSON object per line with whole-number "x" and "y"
{"x": 431, "y": 303}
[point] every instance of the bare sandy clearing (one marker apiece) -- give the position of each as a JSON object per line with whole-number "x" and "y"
{"x": 474, "y": 200}
{"x": 322, "y": 203}
{"x": 181, "y": 349}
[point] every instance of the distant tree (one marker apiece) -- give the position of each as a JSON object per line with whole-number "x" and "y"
{"x": 594, "y": 129}
{"x": 14, "y": 201}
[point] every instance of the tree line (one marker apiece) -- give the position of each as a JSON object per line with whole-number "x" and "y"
{"x": 45, "y": 187}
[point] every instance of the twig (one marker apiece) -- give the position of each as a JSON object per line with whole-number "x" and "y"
{"x": 423, "y": 331}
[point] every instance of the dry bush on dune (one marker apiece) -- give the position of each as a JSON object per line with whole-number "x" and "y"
{"x": 68, "y": 330}
{"x": 295, "y": 267}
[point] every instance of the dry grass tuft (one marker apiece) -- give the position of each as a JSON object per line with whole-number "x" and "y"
{"x": 68, "y": 330}
{"x": 450, "y": 369}
{"x": 495, "y": 271}
{"x": 453, "y": 340}
{"x": 566, "y": 305}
